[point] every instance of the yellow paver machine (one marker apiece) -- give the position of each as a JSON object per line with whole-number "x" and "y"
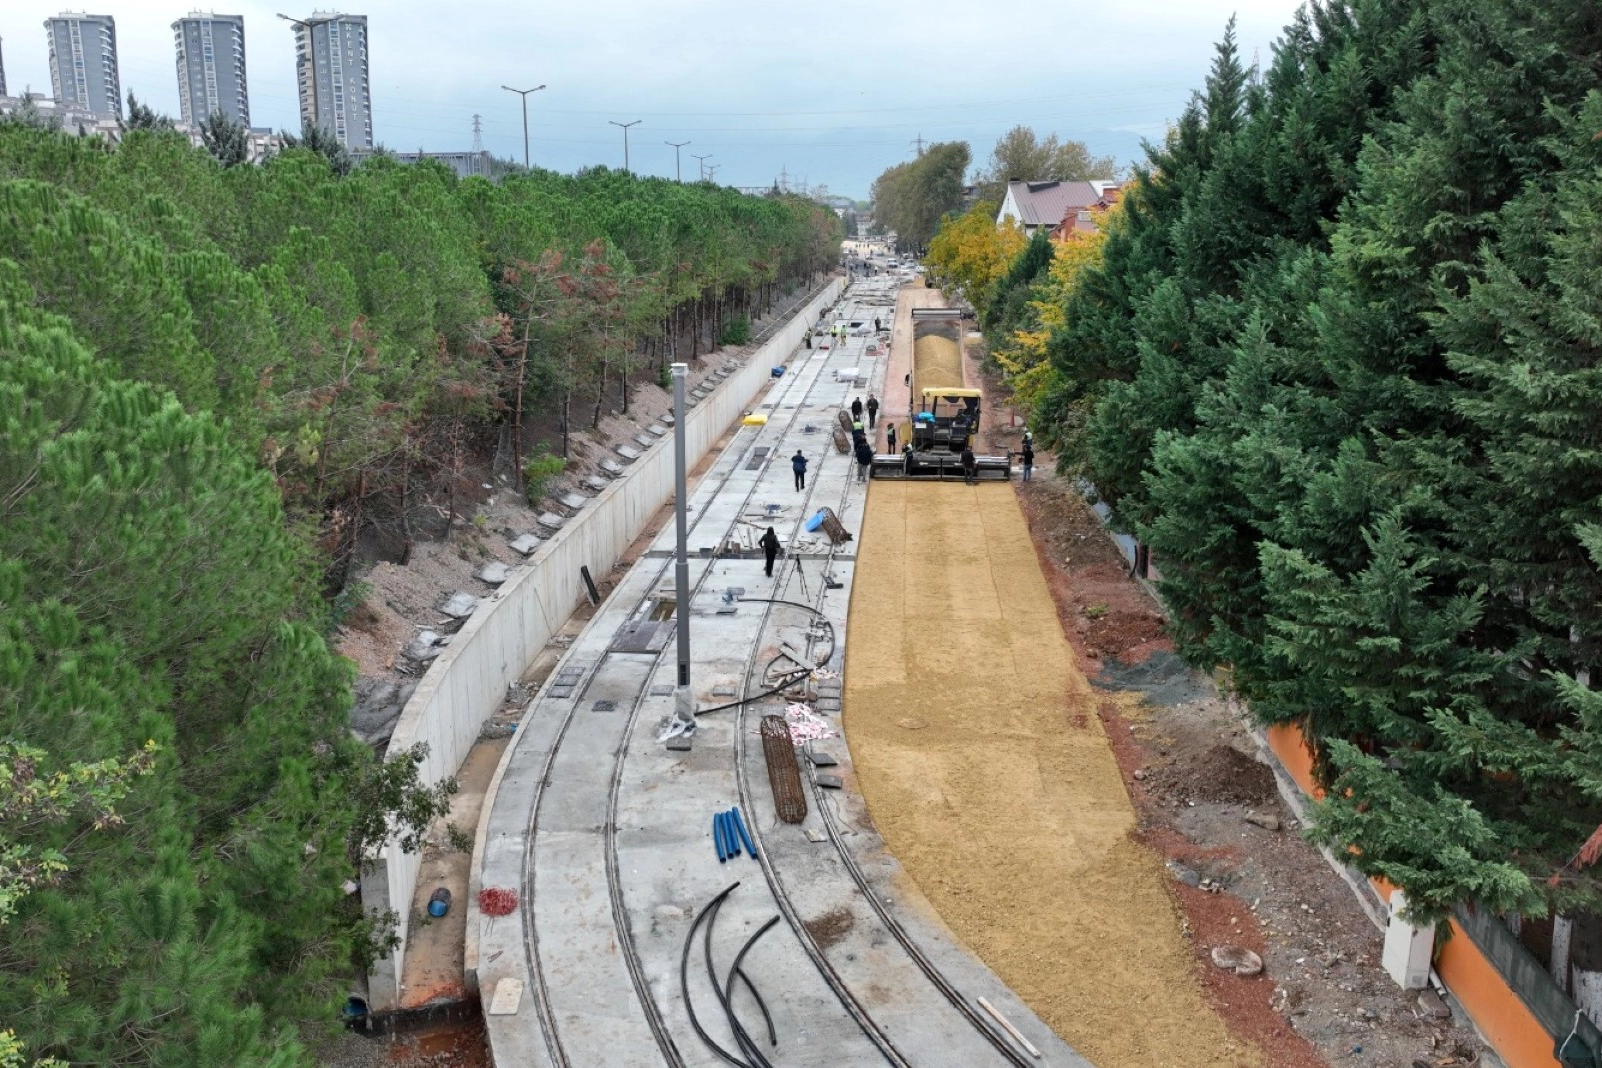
{"x": 945, "y": 409}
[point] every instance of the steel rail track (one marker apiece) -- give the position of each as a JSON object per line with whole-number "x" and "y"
{"x": 931, "y": 971}
{"x": 654, "y": 1017}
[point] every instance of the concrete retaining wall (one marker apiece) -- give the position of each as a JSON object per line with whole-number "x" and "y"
{"x": 469, "y": 680}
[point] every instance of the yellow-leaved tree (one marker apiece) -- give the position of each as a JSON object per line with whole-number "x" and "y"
{"x": 970, "y": 253}
{"x": 1022, "y": 356}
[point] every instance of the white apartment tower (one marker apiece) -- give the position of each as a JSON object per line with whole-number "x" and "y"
{"x": 211, "y": 67}
{"x": 83, "y": 63}
{"x": 331, "y": 65}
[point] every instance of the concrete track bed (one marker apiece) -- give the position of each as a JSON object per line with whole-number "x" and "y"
{"x": 604, "y": 834}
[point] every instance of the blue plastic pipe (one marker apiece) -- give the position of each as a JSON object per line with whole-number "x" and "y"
{"x": 729, "y": 836}
{"x": 739, "y": 826}
{"x": 717, "y": 837}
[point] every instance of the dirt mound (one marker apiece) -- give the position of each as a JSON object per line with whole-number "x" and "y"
{"x": 1225, "y": 775}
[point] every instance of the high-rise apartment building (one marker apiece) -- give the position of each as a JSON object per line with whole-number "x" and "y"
{"x": 331, "y": 64}
{"x": 211, "y": 67}
{"x": 3, "y": 68}
{"x": 83, "y": 62}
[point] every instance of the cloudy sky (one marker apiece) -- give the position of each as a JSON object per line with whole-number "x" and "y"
{"x": 829, "y": 91}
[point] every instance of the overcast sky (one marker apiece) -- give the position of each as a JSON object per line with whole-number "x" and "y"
{"x": 830, "y": 91}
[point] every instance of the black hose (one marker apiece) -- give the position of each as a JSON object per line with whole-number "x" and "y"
{"x": 833, "y": 640}
{"x": 684, "y": 980}
{"x": 789, "y": 680}
{"x": 726, "y": 991}
{"x": 742, "y": 1039}
{"x": 773, "y": 1038}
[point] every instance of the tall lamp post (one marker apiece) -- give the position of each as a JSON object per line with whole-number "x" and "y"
{"x": 625, "y": 128}
{"x": 524, "y": 94}
{"x": 677, "y": 177}
{"x": 703, "y": 160}
{"x": 684, "y": 699}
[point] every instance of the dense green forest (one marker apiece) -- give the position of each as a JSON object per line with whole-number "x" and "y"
{"x": 208, "y": 376}
{"x": 1337, "y": 362}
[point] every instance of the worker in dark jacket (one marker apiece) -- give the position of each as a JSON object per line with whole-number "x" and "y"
{"x": 890, "y": 437}
{"x": 873, "y": 410}
{"x": 864, "y": 459}
{"x": 770, "y": 549}
{"x": 970, "y": 465}
{"x": 798, "y": 464}
{"x": 856, "y": 410}
{"x": 1028, "y": 459}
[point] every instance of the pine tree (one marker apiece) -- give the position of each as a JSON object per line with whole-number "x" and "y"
{"x": 227, "y": 141}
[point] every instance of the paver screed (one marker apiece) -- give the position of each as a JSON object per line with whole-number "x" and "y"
{"x": 984, "y": 766}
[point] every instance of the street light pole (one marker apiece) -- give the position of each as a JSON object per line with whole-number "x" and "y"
{"x": 684, "y": 697}
{"x": 703, "y": 160}
{"x": 677, "y": 177}
{"x": 524, "y": 94}
{"x": 625, "y": 127}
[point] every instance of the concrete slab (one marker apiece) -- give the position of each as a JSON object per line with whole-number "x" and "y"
{"x": 525, "y": 543}
{"x": 628, "y": 452}
{"x": 494, "y": 572}
{"x": 550, "y": 520}
{"x": 612, "y": 467}
{"x": 459, "y": 605}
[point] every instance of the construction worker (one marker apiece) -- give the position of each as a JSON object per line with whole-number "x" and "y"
{"x": 1028, "y": 457}
{"x": 890, "y": 437}
{"x": 798, "y": 464}
{"x": 873, "y": 410}
{"x": 970, "y": 465}
{"x": 770, "y": 549}
{"x": 864, "y": 459}
{"x": 856, "y": 410}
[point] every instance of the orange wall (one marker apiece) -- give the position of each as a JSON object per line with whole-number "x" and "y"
{"x": 1505, "y": 1021}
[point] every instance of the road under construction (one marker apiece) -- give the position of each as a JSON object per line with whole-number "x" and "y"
{"x": 639, "y": 940}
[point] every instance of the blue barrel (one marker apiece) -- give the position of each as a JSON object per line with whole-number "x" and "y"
{"x": 440, "y": 903}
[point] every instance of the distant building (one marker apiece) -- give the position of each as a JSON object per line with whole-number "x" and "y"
{"x": 1033, "y": 205}
{"x": 83, "y": 63}
{"x": 2, "y": 67}
{"x": 73, "y": 118}
{"x": 331, "y": 66}
{"x": 211, "y": 67}
{"x": 466, "y": 164}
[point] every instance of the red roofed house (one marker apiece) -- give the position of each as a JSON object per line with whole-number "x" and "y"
{"x": 1033, "y": 205}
